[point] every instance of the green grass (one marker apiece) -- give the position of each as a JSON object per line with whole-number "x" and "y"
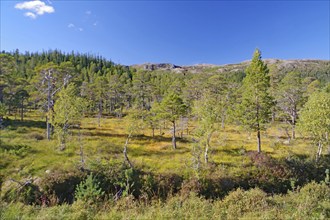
{"x": 25, "y": 154}
{"x": 153, "y": 154}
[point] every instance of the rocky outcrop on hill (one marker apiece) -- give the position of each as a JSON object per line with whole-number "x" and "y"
{"x": 163, "y": 66}
{"x": 310, "y": 68}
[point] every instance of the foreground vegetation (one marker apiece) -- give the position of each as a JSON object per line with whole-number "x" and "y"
{"x": 312, "y": 200}
{"x": 83, "y": 138}
{"x": 42, "y": 182}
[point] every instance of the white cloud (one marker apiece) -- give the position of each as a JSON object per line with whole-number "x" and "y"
{"x": 71, "y": 25}
{"x": 30, "y": 14}
{"x": 80, "y": 29}
{"x": 35, "y": 8}
{"x": 95, "y": 23}
{"x": 88, "y": 12}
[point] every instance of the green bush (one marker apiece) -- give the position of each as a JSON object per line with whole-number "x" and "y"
{"x": 312, "y": 200}
{"x": 239, "y": 202}
{"x": 89, "y": 190}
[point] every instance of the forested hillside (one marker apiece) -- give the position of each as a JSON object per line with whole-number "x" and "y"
{"x": 85, "y": 137}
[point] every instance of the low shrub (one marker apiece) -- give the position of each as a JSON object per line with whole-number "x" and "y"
{"x": 312, "y": 200}
{"x": 37, "y": 136}
{"x": 89, "y": 190}
{"x": 239, "y": 202}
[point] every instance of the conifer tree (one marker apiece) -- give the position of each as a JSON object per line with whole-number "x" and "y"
{"x": 171, "y": 108}
{"x": 255, "y": 106}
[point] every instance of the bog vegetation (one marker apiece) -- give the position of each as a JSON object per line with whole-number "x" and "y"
{"x": 85, "y": 138}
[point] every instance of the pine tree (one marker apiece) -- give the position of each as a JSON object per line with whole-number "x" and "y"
{"x": 255, "y": 106}
{"x": 171, "y": 108}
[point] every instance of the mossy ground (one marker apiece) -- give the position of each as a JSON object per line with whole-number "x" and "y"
{"x": 24, "y": 154}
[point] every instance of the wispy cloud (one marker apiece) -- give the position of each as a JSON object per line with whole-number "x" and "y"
{"x": 88, "y": 12}
{"x": 95, "y": 23}
{"x": 71, "y": 25}
{"x": 35, "y": 8}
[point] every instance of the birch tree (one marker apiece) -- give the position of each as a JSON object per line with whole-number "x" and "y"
{"x": 68, "y": 110}
{"x": 50, "y": 80}
{"x": 290, "y": 99}
{"x": 315, "y": 119}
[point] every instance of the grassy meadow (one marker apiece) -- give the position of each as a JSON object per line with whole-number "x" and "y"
{"x": 26, "y": 151}
{"x": 165, "y": 185}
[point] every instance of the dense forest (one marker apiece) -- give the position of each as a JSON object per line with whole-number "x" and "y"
{"x": 82, "y": 138}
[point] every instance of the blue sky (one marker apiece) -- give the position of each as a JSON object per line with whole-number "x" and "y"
{"x": 179, "y": 32}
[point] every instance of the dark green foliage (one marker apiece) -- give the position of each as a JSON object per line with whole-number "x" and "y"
{"x": 255, "y": 103}
{"x": 89, "y": 190}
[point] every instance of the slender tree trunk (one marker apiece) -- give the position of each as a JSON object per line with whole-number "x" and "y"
{"x": 319, "y": 151}
{"x": 22, "y": 110}
{"x": 153, "y": 132}
{"x": 63, "y": 136}
{"x": 48, "y": 107}
{"x": 293, "y": 132}
{"x": 125, "y": 152}
{"x": 207, "y": 147}
{"x": 293, "y": 126}
{"x": 259, "y": 139}
{"x": 258, "y": 130}
{"x": 206, "y": 154}
{"x": 173, "y": 136}
{"x": 48, "y": 128}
